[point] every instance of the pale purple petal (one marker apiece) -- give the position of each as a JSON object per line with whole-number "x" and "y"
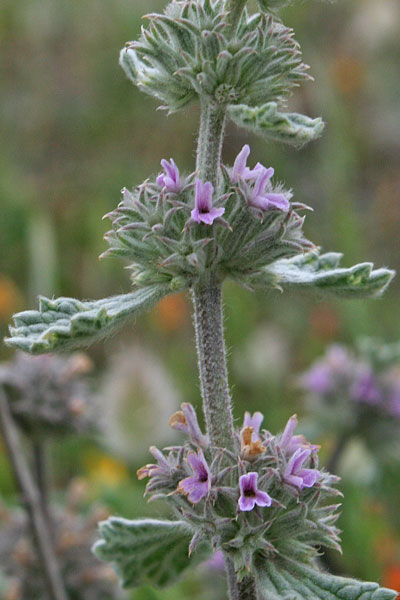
{"x": 309, "y": 476}
{"x": 250, "y": 495}
{"x": 277, "y": 201}
{"x": 171, "y": 178}
{"x": 247, "y": 503}
{"x": 216, "y": 562}
{"x": 287, "y": 434}
{"x": 192, "y": 425}
{"x": 296, "y": 475}
{"x": 199, "y": 465}
{"x": 263, "y": 499}
{"x": 294, "y": 480}
{"x": 239, "y": 167}
{"x": 195, "y": 489}
{"x": 248, "y": 482}
{"x": 203, "y": 210}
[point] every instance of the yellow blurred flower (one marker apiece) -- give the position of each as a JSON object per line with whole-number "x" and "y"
{"x": 104, "y": 470}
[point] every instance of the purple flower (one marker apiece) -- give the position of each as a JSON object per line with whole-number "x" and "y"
{"x": 298, "y": 476}
{"x": 319, "y": 379}
{"x": 161, "y": 468}
{"x": 291, "y": 443}
{"x": 196, "y": 487}
{"x": 365, "y": 389}
{"x": 203, "y": 210}
{"x": 171, "y": 179}
{"x": 240, "y": 169}
{"x": 259, "y": 197}
{"x": 254, "y": 422}
{"x": 186, "y": 420}
{"x": 250, "y": 495}
{"x": 216, "y": 562}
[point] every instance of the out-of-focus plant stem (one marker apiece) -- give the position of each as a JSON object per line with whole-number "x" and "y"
{"x": 31, "y": 500}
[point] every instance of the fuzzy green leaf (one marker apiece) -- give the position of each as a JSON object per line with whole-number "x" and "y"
{"x": 65, "y": 322}
{"x": 288, "y": 580}
{"x": 146, "y": 550}
{"x": 266, "y": 120}
{"x": 322, "y": 272}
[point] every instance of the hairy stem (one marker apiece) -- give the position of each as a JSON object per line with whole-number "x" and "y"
{"x": 217, "y": 404}
{"x": 40, "y": 474}
{"x": 209, "y": 145}
{"x": 242, "y": 590}
{"x": 31, "y": 500}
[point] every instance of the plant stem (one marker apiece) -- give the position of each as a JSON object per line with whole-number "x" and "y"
{"x": 31, "y": 500}
{"x": 40, "y": 474}
{"x": 338, "y": 450}
{"x": 208, "y": 322}
{"x": 217, "y": 404}
{"x": 243, "y": 590}
{"x": 209, "y": 145}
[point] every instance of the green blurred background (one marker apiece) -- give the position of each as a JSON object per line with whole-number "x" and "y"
{"x": 74, "y": 131}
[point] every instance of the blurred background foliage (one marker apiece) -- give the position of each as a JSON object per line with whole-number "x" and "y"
{"x": 74, "y": 131}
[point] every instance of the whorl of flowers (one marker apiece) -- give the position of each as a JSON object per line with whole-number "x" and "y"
{"x": 74, "y": 527}
{"x": 48, "y": 394}
{"x": 365, "y": 385}
{"x": 177, "y": 227}
{"x": 185, "y": 53}
{"x": 266, "y": 499}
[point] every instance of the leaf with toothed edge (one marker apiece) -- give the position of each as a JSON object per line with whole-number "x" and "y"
{"x": 147, "y": 550}
{"x": 66, "y": 322}
{"x": 289, "y": 580}
{"x": 323, "y": 273}
{"x": 266, "y": 120}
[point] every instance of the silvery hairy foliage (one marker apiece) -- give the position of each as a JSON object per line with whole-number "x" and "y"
{"x": 259, "y": 498}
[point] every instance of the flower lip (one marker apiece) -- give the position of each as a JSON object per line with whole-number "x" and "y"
{"x": 204, "y": 212}
{"x": 240, "y": 170}
{"x": 250, "y": 495}
{"x": 197, "y": 486}
{"x": 296, "y": 475}
{"x": 261, "y": 198}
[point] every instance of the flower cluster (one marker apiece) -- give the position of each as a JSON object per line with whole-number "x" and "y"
{"x": 263, "y": 498}
{"x": 175, "y": 228}
{"x": 74, "y": 529}
{"x": 354, "y": 386}
{"x": 48, "y": 394}
{"x": 185, "y": 53}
